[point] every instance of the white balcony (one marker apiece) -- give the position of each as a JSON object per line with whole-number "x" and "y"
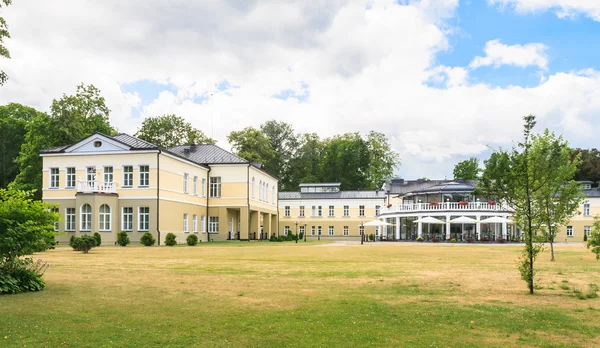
{"x": 96, "y": 187}
{"x": 443, "y": 207}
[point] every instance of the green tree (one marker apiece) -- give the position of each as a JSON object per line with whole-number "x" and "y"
{"x": 382, "y": 161}
{"x": 594, "y": 238}
{"x": 524, "y": 176}
{"x": 72, "y": 118}
{"x": 304, "y": 166}
{"x": 345, "y": 159}
{"x": 26, "y": 225}
{"x": 4, "y": 34}
{"x": 589, "y": 168}
{"x": 171, "y": 130}
{"x": 84, "y": 243}
{"x": 467, "y": 169}
{"x": 13, "y": 129}
{"x": 285, "y": 144}
{"x": 252, "y": 145}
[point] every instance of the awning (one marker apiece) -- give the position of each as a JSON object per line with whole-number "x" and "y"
{"x": 376, "y": 223}
{"x": 463, "y": 220}
{"x": 495, "y": 220}
{"x": 430, "y": 220}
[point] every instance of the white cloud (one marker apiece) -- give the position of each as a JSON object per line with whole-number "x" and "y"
{"x": 563, "y": 8}
{"x": 498, "y": 54}
{"x": 365, "y": 69}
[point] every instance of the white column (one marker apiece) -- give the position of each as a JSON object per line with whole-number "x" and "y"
{"x": 504, "y": 230}
{"x": 420, "y": 229}
{"x": 397, "y": 228}
{"x": 447, "y": 226}
{"x": 478, "y": 227}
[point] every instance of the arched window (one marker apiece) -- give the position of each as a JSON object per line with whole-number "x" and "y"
{"x": 266, "y": 192}
{"x": 260, "y": 190}
{"x": 253, "y": 187}
{"x": 86, "y": 217}
{"x": 273, "y": 195}
{"x": 104, "y": 218}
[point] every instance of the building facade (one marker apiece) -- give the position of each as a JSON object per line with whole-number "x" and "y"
{"x": 324, "y": 212}
{"x": 582, "y": 223}
{"x": 109, "y": 184}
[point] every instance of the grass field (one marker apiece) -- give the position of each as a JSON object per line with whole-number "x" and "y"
{"x": 319, "y": 295}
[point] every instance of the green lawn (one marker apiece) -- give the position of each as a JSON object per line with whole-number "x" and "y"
{"x": 313, "y": 294}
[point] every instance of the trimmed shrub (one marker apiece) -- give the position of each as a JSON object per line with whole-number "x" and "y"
{"x": 301, "y": 235}
{"x": 98, "y": 238}
{"x": 123, "y": 238}
{"x": 71, "y": 241}
{"x": 470, "y": 240}
{"x": 371, "y": 237}
{"x": 147, "y": 239}
{"x": 22, "y": 275}
{"x": 435, "y": 240}
{"x": 192, "y": 240}
{"x": 452, "y": 240}
{"x": 420, "y": 239}
{"x": 500, "y": 240}
{"x": 170, "y": 239}
{"x": 585, "y": 237}
{"x": 272, "y": 238}
{"x": 280, "y": 238}
{"x": 84, "y": 243}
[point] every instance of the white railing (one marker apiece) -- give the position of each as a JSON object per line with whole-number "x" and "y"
{"x": 450, "y": 206}
{"x": 96, "y": 186}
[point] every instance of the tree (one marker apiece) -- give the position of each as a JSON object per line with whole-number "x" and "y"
{"x": 285, "y": 144}
{"x": 467, "y": 169}
{"x": 304, "y": 166}
{"x": 382, "y": 161}
{"x": 72, "y": 118}
{"x": 26, "y": 225}
{"x": 524, "y": 177}
{"x": 594, "y": 239}
{"x": 252, "y": 145}
{"x": 84, "y": 243}
{"x": 4, "y": 34}
{"x": 345, "y": 159}
{"x": 123, "y": 238}
{"x": 13, "y": 129}
{"x": 171, "y": 130}
{"x": 589, "y": 168}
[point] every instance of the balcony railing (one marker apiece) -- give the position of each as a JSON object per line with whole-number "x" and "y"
{"x": 450, "y": 206}
{"x": 96, "y": 187}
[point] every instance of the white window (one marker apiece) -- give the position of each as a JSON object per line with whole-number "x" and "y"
{"x": 185, "y": 182}
{"x": 203, "y": 223}
{"x": 320, "y": 211}
{"x": 71, "y": 177}
{"x": 361, "y": 230}
{"x": 143, "y": 219}
{"x": 54, "y": 177}
{"x": 203, "y": 187}
{"x": 587, "y": 230}
{"x": 286, "y": 230}
{"x": 90, "y": 174}
{"x": 331, "y": 211}
{"x": 569, "y": 231}
{"x": 312, "y": 231}
{"x": 301, "y": 230}
{"x": 345, "y": 230}
{"x": 260, "y": 190}
{"x": 586, "y": 209}
{"x": 127, "y": 219}
{"x": 361, "y": 210}
{"x": 253, "y": 187}
{"x": 144, "y": 176}
{"x": 346, "y": 211}
{"x": 127, "y": 176}
{"x": 185, "y": 223}
{"x": 213, "y": 224}
{"x": 314, "y": 211}
{"x": 56, "y": 223}
{"x": 195, "y": 223}
{"x": 319, "y": 230}
{"x": 266, "y": 192}
{"x": 331, "y": 230}
{"x": 104, "y": 218}
{"x": 195, "y": 185}
{"x": 301, "y": 211}
{"x": 86, "y": 217}
{"x": 215, "y": 189}
{"x": 377, "y": 209}
{"x": 108, "y": 174}
{"x": 273, "y": 195}
{"x": 287, "y": 211}
{"x": 70, "y": 219}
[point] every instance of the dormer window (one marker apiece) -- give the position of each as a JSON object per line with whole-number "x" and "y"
{"x": 97, "y": 143}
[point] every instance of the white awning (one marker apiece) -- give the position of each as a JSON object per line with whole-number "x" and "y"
{"x": 430, "y": 220}
{"x": 376, "y": 223}
{"x": 463, "y": 220}
{"x": 495, "y": 220}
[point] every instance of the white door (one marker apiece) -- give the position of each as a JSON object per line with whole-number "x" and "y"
{"x": 231, "y": 229}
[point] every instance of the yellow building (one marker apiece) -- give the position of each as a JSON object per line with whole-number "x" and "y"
{"x": 118, "y": 183}
{"x": 323, "y": 211}
{"x": 582, "y": 223}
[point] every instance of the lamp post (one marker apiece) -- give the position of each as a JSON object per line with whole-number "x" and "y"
{"x": 304, "y": 233}
{"x": 362, "y": 233}
{"x": 296, "y": 231}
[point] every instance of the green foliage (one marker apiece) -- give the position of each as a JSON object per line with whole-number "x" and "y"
{"x": 589, "y": 168}
{"x": 84, "y": 243}
{"x": 301, "y": 235}
{"x": 593, "y": 241}
{"x": 22, "y": 275}
{"x": 26, "y": 225}
{"x": 585, "y": 237}
{"x": 72, "y": 241}
{"x": 452, "y": 240}
{"x": 171, "y": 130}
{"x": 147, "y": 239}
{"x": 252, "y": 145}
{"x": 467, "y": 169}
{"x": 192, "y": 240}
{"x": 382, "y": 160}
{"x": 170, "y": 239}
{"x": 420, "y": 239}
{"x": 4, "y": 34}
{"x": 285, "y": 143}
{"x": 272, "y": 238}
{"x": 371, "y": 237}
{"x": 345, "y": 159}
{"x": 123, "y": 238}
{"x": 98, "y": 238}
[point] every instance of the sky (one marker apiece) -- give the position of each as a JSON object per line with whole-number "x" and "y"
{"x": 445, "y": 80}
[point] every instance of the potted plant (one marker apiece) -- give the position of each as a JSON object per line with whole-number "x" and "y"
{"x": 470, "y": 240}
{"x": 463, "y": 203}
{"x": 500, "y": 240}
{"x": 419, "y": 239}
{"x": 389, "y": 206}
{"x": 434, "y": 204}
{"x": 435, "y": 240}
{"x": 492, "y": 202}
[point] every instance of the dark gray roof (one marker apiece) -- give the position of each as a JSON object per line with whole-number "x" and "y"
{"x": 592, "y": 192}
{"x": 325, "y": 184}
{"x": 134, "y": 142}
{"x": 333, "y": 195}
{"x": 206, "y": 154}
{"x": 55, "y": 149}
{"x": 451, "y": 186}
{"x": 421, "y": 186}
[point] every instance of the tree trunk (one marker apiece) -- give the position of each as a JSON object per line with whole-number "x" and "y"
{"x": 552, "y": 249}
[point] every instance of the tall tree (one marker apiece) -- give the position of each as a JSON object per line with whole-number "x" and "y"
{"x": 522, "y": 178}
{"x": 589, "y": 168}
{"x": 594, "y": 238}
{"x": 4, "y": 34}
{"x": 251, "y": 144}
{"x": 285, "y": 143}
{"x": 72, "y": 118}
{"x": 467, "y": 169}
{"x": 382, "y": 161}
{"x": 304, "y": 166}
{"x": 171, "y": 130}
{"x": 345, "y": 159}
{"x": 13, "y": 122}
